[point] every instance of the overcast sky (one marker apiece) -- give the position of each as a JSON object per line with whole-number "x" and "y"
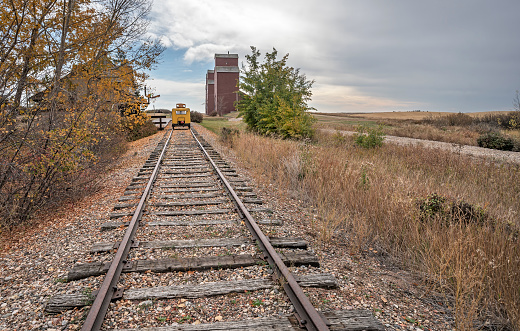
{"x": 364, "y": 55}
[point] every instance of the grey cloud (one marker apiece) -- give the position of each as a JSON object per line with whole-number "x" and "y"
{"x": 447, "y": 55}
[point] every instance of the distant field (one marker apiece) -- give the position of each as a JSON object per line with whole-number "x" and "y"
{"x": 420, "y": 125}
{"x": 439, "y": 126}
{"x": 399, "y": 115}
{"x": 395, "y": 115}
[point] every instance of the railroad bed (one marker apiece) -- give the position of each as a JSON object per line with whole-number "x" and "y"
{"x": 186, "y": 243}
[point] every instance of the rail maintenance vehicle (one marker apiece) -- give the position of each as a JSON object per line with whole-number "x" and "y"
{"x": 181, "y": 116}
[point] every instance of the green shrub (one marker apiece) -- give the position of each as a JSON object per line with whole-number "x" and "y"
{"x": 339, "y": 139}
{"x": 432, "y": 205}
{"x": 196, "y": 117}
{"x": 274, "y": 97}
{"x": 369, "y": 137}
{"x": 437, "y": 207}
{"x": 467, "y": 213}
{"x": 495, "y": 140}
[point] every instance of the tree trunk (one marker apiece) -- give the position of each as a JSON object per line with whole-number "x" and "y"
{"x": 67, "y": 11}
{"x": 22, "y": 82}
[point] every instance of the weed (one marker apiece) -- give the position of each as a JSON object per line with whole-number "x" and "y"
{"x": 89, "y": 296}
{"x": 365, "y": 182}
{"x": 507, "y": 121}
{"x": 83, "y": 317}
{"x": 495, "y": 140}
{"x": 185, "y": 318}
{"x": 87, "y": 291}
{"x": 432, "y": 205}
{"x": 369, "y": 137}
{"x": 196, "y": 117}
{"x": 410, "y": 320}
{"x": 257, "y": 302}
{"x": 458, "y": 119}
{"x": 306, "y": 166}
{"x": 339, "y": 139}
{"x": 468, "y": 213}
{"x": 435, "y": 206}
{"x": 161, "y": 318}
{"x": 227, "y": 136}
{"x": 167, "y": 248}
{"x": 145, "y": 305}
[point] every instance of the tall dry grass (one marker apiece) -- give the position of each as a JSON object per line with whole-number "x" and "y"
{"x": 373, "y": 196}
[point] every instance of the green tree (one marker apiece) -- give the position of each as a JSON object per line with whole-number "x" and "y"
{"x": 274, "y": 97}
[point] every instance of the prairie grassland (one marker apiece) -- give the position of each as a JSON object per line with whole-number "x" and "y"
{"x": 409, "y": 115}
{"x": 375, "y": 196}
{"x": 454, "y": 128}
{"x": 216, "y": 124}
{"x": 399, "y": 124}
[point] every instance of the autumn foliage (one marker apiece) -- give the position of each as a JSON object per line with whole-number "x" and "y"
{"x": 135, "y": 123}
{"x": 71, "y": 72}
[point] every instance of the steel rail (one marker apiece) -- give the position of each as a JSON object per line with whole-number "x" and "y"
{"x": 100, "y": 305}
{"x": 307, "y": 315}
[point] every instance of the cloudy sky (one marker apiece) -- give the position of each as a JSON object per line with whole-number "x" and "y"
{"x": 364, "y": 55}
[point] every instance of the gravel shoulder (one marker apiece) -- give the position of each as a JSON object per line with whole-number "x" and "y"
{"x": 34, "y": 263}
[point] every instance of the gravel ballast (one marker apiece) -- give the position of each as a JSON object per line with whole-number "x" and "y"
{"x": 34, "y": 264}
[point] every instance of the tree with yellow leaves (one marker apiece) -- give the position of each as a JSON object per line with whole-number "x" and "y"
{"x": 67, "y": 69}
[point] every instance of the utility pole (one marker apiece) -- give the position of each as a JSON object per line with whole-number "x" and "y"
{"x": 150, "y": 96}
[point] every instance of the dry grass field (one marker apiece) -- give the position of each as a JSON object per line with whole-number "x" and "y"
{"x": 451, "y": 219}
{"x": 463, "y": 129}
{"x": 409, "y": 115}
{"x": 385, "y": 115}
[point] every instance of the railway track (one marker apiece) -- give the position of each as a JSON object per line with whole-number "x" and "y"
{"x": 189, "y": 233}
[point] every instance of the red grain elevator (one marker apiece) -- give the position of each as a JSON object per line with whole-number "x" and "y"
{"x": 210, "y": 92}
{"x": 225, "y": 78}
